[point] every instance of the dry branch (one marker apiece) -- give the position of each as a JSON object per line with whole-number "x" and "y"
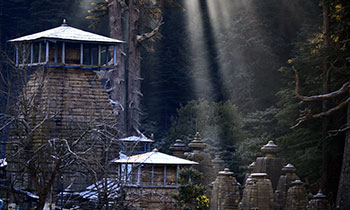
{"x": 145, "y": 36}
{"x": 308, "y": 115}
{"x": 321, "y": 97}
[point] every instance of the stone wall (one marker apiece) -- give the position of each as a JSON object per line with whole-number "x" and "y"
{"x": 150, "y": 198}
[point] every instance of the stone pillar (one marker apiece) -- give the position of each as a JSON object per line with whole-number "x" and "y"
{"x": 257, "y": 193}
{"x": 250, "y": 168}
{"x": 319, "y": 202}
{"x": 296, "y": 196}
{"x": 270, "y": 164}
{"x": 205, "y": 165}
{"x": 178, "y": 149}
{"x": 225, "y": 193}
{"x": 284, "y": 183}
{"x": 218, "y": 164}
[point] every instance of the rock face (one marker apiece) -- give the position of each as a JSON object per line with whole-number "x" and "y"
{"x": 296, "y": 196}
{"x": 225, "y": 193}
{"x": 270, "y": 164}
{"x": 284, "y": 183}
{"x": 319, "y": 202}
{"x": 205, "y": 165}
{"x": 258, "y": 193}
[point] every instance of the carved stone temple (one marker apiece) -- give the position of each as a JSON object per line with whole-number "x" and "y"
{"x": 284, "y": 183}
{"x": 319, "y": 202}
{"x": 297, "y": 198}
{"x": 66, "y": 97}
{"x": 205, "y": 164}
{"x": 270, "y": 164}
{"x": 258, "y": 193}
{"x": 225, "y": 194}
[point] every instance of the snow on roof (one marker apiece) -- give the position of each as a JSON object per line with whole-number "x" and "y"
{"x": 3, "y": 162}
{"x": 136, "y": 139}
{"x": 91, "y": 191}
{"x": 65, "y": 32}
{"x": 154, "y": 158}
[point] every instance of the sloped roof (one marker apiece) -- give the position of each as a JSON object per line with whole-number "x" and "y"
{"x": 155, "y": 158}
{"x": 65, "y": 32}
{"x": 136, "y": 139}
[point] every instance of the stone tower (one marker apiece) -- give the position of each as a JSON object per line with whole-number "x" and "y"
{"x": 257, "y": 193}
{"x": 270, "y": 164}
{"x": 297, "y": 198}
{"x": 319, "y": 202}
{"x": 218, "y": 164}
{"x": 225, "y": 194}
{"x": 178, "y": 149}
{"x": 250, "y": 168}
{"x": 66, "y": 106}
{"x": 205, "y": 165}
{"x": 284, "y": 183}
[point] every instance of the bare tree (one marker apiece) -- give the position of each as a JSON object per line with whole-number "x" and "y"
{"x": 46, "y": 140}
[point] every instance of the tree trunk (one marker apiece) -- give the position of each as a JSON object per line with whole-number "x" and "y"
{"x": 343, "y": 195}
{"x": 325, "y": 90}
{"x": 1, "y": 22}
{"x": 41, "y": 203}
{"x": 117, "y": 77}
{"x": 134, "y": 71}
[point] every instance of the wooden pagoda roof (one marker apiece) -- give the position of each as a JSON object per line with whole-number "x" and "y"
{"x": 155, "y": 158}
{"x": 67, "y": 33}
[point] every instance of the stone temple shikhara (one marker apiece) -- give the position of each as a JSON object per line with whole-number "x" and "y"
{"x": 66, "y": 107}
{"x": 69, "y": 110}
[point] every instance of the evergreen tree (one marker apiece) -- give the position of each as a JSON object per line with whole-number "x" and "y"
{"x": 321, "y": 69}
{"x": 218, "y": 123}
{"x": 191, "y": 193}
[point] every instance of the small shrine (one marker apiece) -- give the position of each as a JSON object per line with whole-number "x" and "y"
{"x": 225, "y": 194}
{"x": 151, "y": 178}
{"x": 296, "y": 196}
{"x": 319, "y": 202}
{"x": 270, "y": 164}
{"x": 178, "y": 148}
{"x": 205, "y": 165}
{"x": 284, "y": 183}
{"x": 151, "y": 169}
{"x": 258, "y": 193}
{"x": 135, "y": 145}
